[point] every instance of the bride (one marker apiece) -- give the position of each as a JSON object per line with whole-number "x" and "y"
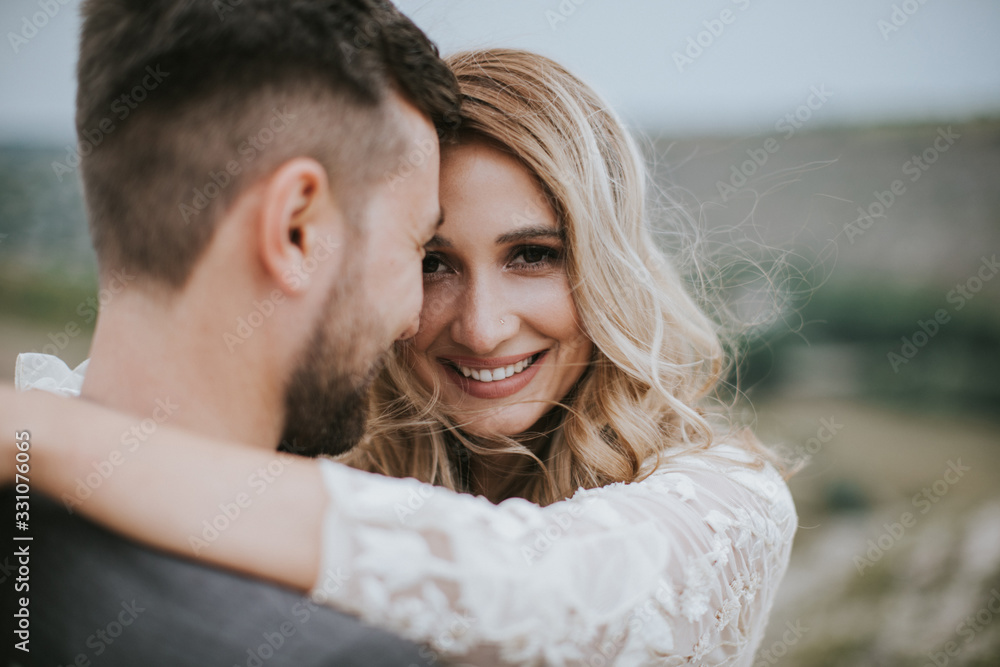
{"x": 551, "y": 488}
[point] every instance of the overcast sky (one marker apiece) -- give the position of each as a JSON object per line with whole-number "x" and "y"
{"x": 878, "y": 63}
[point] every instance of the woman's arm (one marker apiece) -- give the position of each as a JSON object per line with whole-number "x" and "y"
{"x": 254, "y": 511}
{"x": 681, "y": 567}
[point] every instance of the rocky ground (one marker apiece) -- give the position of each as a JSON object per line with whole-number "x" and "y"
{"x": 897, "y": 557}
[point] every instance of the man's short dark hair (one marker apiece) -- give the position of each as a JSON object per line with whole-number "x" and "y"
{"x": 184, "y": 103}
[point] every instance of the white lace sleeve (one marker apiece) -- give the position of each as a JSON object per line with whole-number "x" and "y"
{"x": 679, "y": 568}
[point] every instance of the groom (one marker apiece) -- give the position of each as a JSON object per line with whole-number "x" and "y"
{"x": 265, "y": 199}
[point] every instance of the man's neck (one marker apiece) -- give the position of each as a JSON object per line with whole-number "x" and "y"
{"x": 169, "y": 364}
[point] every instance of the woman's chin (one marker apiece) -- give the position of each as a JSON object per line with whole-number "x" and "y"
{"x": 501, "y": 421}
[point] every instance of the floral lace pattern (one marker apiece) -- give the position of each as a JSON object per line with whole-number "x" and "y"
{"x": 680, "y": 568}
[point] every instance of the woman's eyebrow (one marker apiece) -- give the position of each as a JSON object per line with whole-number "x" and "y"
{"x": 529, "y": 233}
{"x": 440, "y": 242}
{"x": 524, "y": 234}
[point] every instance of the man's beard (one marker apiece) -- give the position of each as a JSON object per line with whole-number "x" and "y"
{"x": 326, "y": 401}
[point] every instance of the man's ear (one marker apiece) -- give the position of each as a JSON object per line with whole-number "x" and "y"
{"x": 298, "y": 214}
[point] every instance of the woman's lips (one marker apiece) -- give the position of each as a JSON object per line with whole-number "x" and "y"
{"x": 495, "y": 388}
{"x": 492, "y": 362}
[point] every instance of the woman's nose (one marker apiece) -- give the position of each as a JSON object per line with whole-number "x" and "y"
{"x": 484, "y": 321}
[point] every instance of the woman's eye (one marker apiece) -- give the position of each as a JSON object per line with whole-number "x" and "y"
{"x": 536, "y": 254}
{"x": 432, "y": 263}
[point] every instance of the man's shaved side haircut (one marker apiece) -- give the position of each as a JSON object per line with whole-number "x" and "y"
{"x": 230, "y": 91}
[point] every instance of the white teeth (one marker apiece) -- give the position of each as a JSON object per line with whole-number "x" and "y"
{"x": 495, "y": 374}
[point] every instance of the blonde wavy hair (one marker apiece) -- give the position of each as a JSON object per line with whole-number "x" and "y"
{"x": 657, "y": 355}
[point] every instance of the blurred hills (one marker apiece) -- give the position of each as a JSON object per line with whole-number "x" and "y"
{"x": 827, "y": 294}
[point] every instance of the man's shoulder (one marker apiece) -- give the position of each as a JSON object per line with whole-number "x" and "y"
{"x": 95, "y": 595}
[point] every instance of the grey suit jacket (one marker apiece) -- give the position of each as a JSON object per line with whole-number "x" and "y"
{"x": 98, "y": 600}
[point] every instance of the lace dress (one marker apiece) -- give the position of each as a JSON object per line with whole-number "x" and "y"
{"x": 680, "y": 568}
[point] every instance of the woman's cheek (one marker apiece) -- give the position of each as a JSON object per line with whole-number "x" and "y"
{"x": 553, "y": 310}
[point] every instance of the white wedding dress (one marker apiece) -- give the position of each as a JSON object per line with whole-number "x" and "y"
{"x": 680, "y": 568}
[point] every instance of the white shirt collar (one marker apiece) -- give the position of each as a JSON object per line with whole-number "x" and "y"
{"x": 48, "y": 373}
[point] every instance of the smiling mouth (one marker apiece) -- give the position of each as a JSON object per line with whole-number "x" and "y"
{"x": 495, "y": 374}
